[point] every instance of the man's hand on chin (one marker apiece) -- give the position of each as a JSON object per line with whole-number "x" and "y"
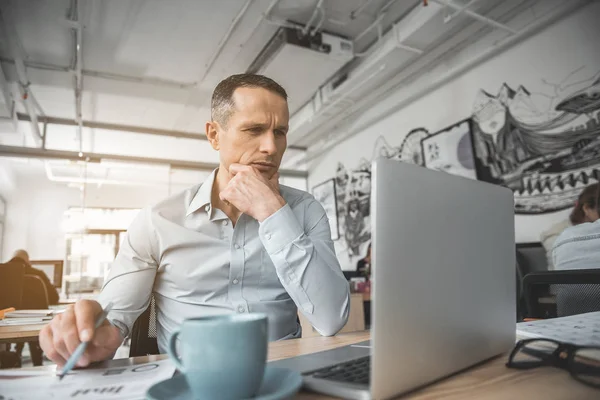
{"x": 252, "y": 193}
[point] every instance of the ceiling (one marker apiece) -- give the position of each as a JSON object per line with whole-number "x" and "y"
{"x": 153, "y": 64}
{"x": 148, "y": 62}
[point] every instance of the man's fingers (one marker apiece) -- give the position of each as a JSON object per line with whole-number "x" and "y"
{"x": 58, "y": 343}
{"x": 85, "y": 315}
{"x": 235, "y": 169}
{"x": 47, "y": 345}
{"x": 274, "y": 181}
{"x": 68, "y": 327}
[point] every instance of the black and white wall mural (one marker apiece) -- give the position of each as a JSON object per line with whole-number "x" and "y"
{"x": 544, "y": 145}
{"x": 353, "y": 191}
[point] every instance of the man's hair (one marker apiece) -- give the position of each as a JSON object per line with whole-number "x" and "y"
{"x": 222, "y": 104}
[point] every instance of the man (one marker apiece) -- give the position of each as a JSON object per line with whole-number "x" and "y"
{"x": 23, "y": 257}
{"x": 237, "y": 243}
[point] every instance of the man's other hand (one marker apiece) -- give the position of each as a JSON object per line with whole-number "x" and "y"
{"x": 251, "y": 193}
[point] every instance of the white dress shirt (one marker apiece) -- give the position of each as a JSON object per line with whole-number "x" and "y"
{"x": 190, "y": 257}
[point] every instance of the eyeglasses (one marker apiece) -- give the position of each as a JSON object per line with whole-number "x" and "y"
{"x": 582, "y": 362}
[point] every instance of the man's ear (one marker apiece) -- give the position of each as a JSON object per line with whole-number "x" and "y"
{"x": 212, "y": 133}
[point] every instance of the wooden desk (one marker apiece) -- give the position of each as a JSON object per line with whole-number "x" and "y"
{"x": 490, "y": 380}
{"x": 20, "y": 333}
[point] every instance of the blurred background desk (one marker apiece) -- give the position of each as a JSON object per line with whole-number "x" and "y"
{"x": 20, "y": 333}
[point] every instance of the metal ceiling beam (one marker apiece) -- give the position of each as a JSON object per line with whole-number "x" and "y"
{"x": 105, "y": 75}
{"x": 11, "y": 105}
{"x": 126, "y": 128}
{"x": 26, "y": 95}
{"x": 47, "y": 154}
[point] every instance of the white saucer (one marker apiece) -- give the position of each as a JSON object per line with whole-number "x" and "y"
{"x": 277, "y": 384}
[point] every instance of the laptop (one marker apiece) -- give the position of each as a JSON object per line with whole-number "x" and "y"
{"x": 443, "y": 285}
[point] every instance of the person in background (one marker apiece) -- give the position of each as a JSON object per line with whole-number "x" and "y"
{"x": 363, "y": 266}
{"x": 23, "y": 257}
{"x": 578, "y": 247}
{"x": 582, "y": 212}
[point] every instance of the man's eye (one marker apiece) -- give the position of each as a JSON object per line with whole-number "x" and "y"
{"x": 280, "y": 132}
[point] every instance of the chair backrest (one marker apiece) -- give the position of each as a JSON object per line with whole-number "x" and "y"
{"x": 11, "y": 284}
{"x": 143, "y": 333}
{"x": 532, "y": 257}
{"x": 35, "y": 296}
{"x": 576, "y": 298}
{"x": 562, "y": 293}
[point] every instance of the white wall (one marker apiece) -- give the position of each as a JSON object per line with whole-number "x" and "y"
{"x": 36, "y": 206}
{"x": 35, "y": 211}
{"x": 567, "y": 50}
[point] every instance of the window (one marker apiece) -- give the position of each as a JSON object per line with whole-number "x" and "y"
{"x": 93, "y": 239}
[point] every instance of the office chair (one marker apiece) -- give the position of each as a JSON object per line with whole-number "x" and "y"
{"x": 575, "y": 292}
{"x": 11, "y": 284}
{"x": 35, "y": 297}
{"x": 11, "y": 293}
{"x": 143, "y": 333}
{"x": 531, "y": 257}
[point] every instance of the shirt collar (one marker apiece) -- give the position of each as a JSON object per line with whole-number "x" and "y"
{"x": 203, "y": 195}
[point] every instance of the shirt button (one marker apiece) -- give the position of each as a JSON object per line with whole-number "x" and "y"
{"x": 225, "y": 223}
{"x": 241, "y": 309}
{"x": 268, "y": 236}
{"x": 237, "y": 246}
{"x": 235, "y": 281}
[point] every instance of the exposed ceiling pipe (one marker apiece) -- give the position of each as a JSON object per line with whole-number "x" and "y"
{"x": 26, "y": 95}
{"x": 105, "y": 75}
{"x": 225, "y": 39}
{"x": 474, "y": 15}
{"x": 320, "y": 23}
{"x": 11, "y": 105}
{"x": 354, "y": 14}
{"x": 47, "y": 154}
{"x": 312, "y": 17}
{"x": 125, "y": 128}
{"x": 75, "y": 18}
{"x": 450, "y": 17}
{"x": 441, "y": 80}
{"x": 265, "y": 16}
{"x": 380, "y": 16}
{"x": 217, "y": 52}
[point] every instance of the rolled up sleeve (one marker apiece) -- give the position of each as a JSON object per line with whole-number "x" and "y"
{"x": 306, "y": 264}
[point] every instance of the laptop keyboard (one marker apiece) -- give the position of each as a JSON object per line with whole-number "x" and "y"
{"x": 355, "y": 371}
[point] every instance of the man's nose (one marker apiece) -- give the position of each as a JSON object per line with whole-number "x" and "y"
{"x": 267, "y": 143}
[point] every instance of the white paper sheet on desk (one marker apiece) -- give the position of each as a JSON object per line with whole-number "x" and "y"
{"x": 115, "y": 383}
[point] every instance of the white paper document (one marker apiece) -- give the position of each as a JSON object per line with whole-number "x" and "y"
{"x": 115, "y": 383}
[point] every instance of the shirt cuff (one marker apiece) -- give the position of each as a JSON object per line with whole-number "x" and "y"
{"x": 279, "y": 230}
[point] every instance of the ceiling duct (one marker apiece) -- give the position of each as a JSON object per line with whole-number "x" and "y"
{"x": 405, "y": 42}
{"x": 302, "y": 63}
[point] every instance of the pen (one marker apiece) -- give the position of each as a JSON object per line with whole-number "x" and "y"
{"x": 83, "y": 345}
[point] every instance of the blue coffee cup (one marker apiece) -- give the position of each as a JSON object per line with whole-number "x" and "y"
{"x": 222, "y": 357}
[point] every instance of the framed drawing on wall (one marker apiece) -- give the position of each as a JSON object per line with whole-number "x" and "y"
{"x": 325, "y": 194}
{"x": 451, "y": 150}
